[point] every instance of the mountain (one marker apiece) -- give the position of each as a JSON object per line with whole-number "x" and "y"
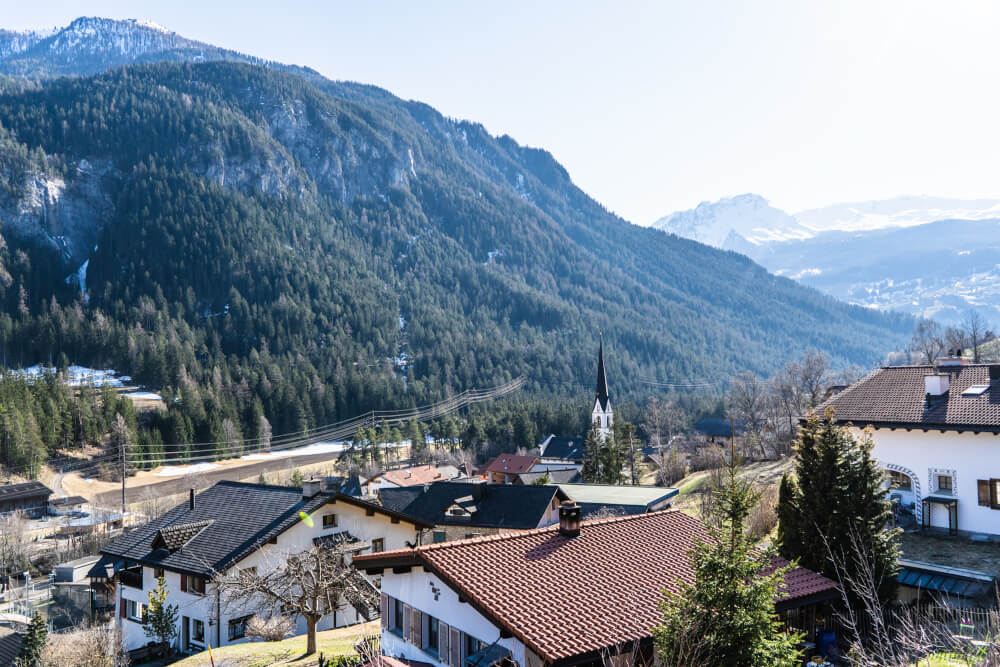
{"x": 939, "y": 270}
{"x": 260, "y": 242}
{"x": 896, "y": 212}
{"x": 90, "y": 45}
{"x": 734, "y": 223}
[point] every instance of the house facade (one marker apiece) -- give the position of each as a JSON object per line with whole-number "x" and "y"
{"x": 234, "y": 526}
{"x": 412, "y": 476}
{"x": 935, "y": 430}
{"x": 500, "y": 598}
{"x": 31, "y": 498}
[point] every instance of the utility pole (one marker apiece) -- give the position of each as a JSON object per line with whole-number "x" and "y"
{"x": 121, "y": 451}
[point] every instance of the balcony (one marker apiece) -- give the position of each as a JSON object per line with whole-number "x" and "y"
{"x": 131, "y": 577}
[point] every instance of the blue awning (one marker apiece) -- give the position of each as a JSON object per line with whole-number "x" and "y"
{"x": 950, "y": 581}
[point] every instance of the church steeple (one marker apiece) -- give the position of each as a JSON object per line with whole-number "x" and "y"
{"x": 602, "y": 414}
{"x": 602, "y": 379}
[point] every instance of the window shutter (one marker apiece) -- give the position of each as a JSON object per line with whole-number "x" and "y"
{"x": 123, "y": 612}
{"x": 392, "y": 613}
{"x": 416, "y": 629}
{"x": 455, "y": 644}
{"x": 383, "y": 608}
{"x": 443, "y": 630}
{"x": 184, "y": 583}
{"x": 406, "y": 622}
{"x": 984, "y": 491}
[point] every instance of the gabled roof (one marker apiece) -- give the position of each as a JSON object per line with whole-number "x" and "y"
{"x": 10, "y": 645}
{"x": 175, "y": 536}
{"x": 512, "y": 464}
{"x": 896, "y": 395}
{"x": 622, "y": 500}
{"x": 602, "y": 380}
{"x": 558, "y": 476}
{"x": 420, "y": 475}
{"x": 495, "y": 505}
{"x": 72, "y": 500}
{"x": 566, "y": 449}
{"x": 566, "y": 597}
{"x": 242, "y": 517}
{"x": 23, "y": 490}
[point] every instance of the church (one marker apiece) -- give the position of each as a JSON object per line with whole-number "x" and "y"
{"x": 556, "y": 448}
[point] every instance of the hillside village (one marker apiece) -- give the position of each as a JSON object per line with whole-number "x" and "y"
{"x": 300, "y": 370}
{"x": 564, "y": 553}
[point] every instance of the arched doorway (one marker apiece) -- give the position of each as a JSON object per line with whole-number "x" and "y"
{"x": 904, "y": 490}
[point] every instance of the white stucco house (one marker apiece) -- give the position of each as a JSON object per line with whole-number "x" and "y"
{"x": 235, "y": 525}
{"x": 935, "y": 431}
{"x": 572, "y": 594}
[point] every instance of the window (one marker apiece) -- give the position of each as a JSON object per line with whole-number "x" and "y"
{"x": 135, "y": 611}
{"x": 197, "y": 631}
{"x": 432, "y": 635}
{"x": 378, "y": 544}
{"x": 944, "y": 483}
{"x": 194, "y": 584}
{"x": 472, "y": 645}
{"x": 899, "y": 480}
{"x": 397, "y": 616}
{"x": 329, "y": 520}
{"x": 252, "y": 570}
{"x": 238, "y": 627}
{"x": 157, "y": 572}
{"x": 989, "y": 493}
{"x": 976, "y": 390}
{"x": 439, "y": 536}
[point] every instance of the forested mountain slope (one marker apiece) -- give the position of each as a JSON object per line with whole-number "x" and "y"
{"x": 310, "y": 250}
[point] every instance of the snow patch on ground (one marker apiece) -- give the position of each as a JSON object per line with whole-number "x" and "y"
{"x": 143, "y": 395}
{"x": 316, "y": 448}
{"x": 174, "y": 471}
{"x": 79, "y": 375}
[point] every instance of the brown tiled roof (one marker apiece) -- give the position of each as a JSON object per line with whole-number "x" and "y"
{"x": 414, "y": 476}
{"x": 896, "y": 395}
{"x": 569, "y": 596}
{"x": 512, "y": 464}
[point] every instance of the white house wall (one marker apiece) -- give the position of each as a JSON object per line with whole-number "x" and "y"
{"x": 967, "y": 456}
{"x": 296, "y": 539}
{"x": 428, "y": 594}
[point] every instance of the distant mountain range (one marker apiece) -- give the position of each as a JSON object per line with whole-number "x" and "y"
{"x": 928, "y": 256}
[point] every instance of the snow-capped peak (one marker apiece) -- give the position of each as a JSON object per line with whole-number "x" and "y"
{"x": 724, "y": 223}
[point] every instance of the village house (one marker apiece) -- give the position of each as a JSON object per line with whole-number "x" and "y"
{"x": 559, "y": 448}
{"x": 31, "y": 498}
{"x": 505, "y": 468}
{"x": 460, "y": 510}
{"x": 235, "y": 525}
{"x": 412, "y": 476}
{"x": 68, "y": 505}
{"x": 572, "y": 594}
{"x": 935, "y": 431}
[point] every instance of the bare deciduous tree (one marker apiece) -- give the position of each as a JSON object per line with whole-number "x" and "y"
{"x": 974, "y": 326}
{"x": 13, "y": 543}
{"x": 927, "y": 341}
{"x": 96, "y": 646}
{"x": 313, "y": 583}
{"x": 746, "y": 404}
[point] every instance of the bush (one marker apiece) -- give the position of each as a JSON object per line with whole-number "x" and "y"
{"x": 95, "y": 646}
{"x": 272, "y": 629}
{"x": 764, "y": 516}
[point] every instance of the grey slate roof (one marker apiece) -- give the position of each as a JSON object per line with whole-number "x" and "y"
{"x": 895, "y": 395}
{"x": 23, "y": 490}
{"x": 10, "y": 646}
{"x": 561, "y": 476}
{"x": 72, "y": 500}
{"x": 498, "y": 506}
{"x": 175, "y": 536}
{"x": 243, "y": 517}
{"x": 567, "y": 449}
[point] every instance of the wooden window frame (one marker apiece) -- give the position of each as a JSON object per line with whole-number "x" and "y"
{"x": 951, "y": 482}
{"x": 378, "y": 545}
{"x": 330, "y": 520}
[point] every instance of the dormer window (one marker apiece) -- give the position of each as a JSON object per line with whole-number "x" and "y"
{"x": 976, "y": 390}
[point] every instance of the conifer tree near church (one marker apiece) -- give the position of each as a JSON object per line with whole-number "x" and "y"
{"x": 591, "y": 470}
{"x": 836, "y": 512}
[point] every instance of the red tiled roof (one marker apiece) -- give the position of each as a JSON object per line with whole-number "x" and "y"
{"x": 897, "y": 395}
{"x": 512, "y": 464}
{"x": 567, "y": 596}
{"x": 414, "y": 476}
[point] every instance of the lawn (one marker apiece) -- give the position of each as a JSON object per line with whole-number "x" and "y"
{"x": 288, "y": 652}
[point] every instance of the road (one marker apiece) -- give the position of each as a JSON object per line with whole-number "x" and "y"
{"x": 202, "y": 480}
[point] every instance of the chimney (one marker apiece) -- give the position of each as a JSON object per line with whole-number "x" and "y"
{"x": 191, "y": 498}
{"x": 569, "y": 519}
{"x": 311, "y": 487}
{"x": 994, "y": 372}
{"x": 478, "y": 489}
{"x": 936, "y": 384}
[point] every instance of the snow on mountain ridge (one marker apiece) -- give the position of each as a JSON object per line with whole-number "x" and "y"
{"x": 906, "y": 211}
{"x": 746, "y": 217}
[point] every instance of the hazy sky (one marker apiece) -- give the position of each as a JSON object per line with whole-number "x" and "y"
{"x": 654, "y": 107}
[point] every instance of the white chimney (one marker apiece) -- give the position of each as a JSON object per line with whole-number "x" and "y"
{"x": 936, "y": 384}
{"x": 311, "y": 487}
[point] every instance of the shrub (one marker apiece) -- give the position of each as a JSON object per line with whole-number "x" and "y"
{"x": 272, "y": 629}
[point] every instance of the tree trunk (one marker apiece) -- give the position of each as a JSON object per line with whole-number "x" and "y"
{"x": 311, "y": 634}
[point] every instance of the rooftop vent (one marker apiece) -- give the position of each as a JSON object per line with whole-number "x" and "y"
{"x": 994, "y": 372}
{"x": 936, "y": 384}
{"x": 569, "y": 519}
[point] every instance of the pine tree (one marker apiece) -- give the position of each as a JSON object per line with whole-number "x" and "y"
{"x": 161, "y": 618}
{"x": 591, "y": 470}
{"x": 612, "y": 461}
{"x": 727, "y": 616}
{"x": 834, "y": 519}
{"x": 30, "y": 654}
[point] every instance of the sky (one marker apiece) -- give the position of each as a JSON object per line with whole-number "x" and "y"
{"x": 654, "y": 107}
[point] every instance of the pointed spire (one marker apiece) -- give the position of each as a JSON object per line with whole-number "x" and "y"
{"x": 602, "y": 380}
